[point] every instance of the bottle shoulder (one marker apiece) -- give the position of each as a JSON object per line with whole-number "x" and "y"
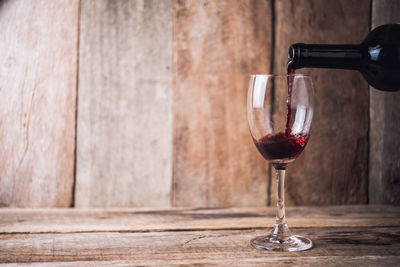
{"x": 388, "y": 34}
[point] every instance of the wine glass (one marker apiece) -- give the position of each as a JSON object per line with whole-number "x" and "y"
{"x": 280, "y": 111}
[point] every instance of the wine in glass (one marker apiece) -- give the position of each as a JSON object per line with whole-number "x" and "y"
{"x": 280, "y": 111}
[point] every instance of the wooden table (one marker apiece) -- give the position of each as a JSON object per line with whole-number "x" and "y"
{"x": 342, "y": 235}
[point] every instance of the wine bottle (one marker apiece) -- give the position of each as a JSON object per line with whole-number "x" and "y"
{"x": 377, "y": 57}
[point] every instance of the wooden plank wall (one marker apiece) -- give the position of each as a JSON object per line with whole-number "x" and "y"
{"x": 160, "y": 92}
{"x": 124, "y": 143}
{"x": 38, "y": 65}
{"x": 384, "y": 163}
{"x": 217, "y": 44}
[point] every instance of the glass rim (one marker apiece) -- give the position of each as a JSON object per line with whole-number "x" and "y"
{"x": 280, "y": 75}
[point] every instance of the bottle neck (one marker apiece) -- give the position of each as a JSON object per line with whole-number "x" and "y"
{"x": 325, "y": 56}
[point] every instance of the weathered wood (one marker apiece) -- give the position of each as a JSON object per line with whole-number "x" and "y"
{"x": 384, "y": 150}
{"x": 368, "y": 261}
{"x": 355, "y": 244}
{"x": 333, "y": 167}
{"x": 145, "y": 220}
{"x": 347, "y": 241}
{"x": 124, "y": 144}
{"x": 38, "y": 66}
{"x": 217, "y": 45}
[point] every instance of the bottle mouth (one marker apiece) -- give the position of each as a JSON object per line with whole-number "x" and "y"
{"x": 291, "y": 53}
{"x": 294, "y": 55}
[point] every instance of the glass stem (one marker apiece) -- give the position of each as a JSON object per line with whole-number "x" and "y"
{"x": 281, "y": 230}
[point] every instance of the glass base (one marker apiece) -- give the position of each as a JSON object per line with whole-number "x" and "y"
{"x": 272, "y": 243}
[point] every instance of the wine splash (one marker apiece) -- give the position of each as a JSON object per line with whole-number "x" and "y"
{"x": 281, "y": 146}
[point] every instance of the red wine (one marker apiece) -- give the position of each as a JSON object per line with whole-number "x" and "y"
{"x": 281, "y": 146}
{"x": 290, "y": 79}
{"x": 377, "y": 57}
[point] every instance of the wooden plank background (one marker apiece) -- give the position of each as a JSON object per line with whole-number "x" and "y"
{"x": 384, "y": 162}
{"x": 217, "y": 44}
{"x": 38, "y": 65}
{"x": 125, "y": 111}
{"x": 161, "y": 104}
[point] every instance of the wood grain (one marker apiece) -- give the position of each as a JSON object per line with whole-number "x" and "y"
{"x": 124, "y": 144}
{"x": 354, "y": 244}
{"x": 217, "y": 45}
{"x": 38, "y": 66}
{"x": 342, "y": 235}
{"x": 333, "y": 167}
{"x": 155, "y": 220}
{"x": 368, "y": 261}
{"x": 384, "y": 150}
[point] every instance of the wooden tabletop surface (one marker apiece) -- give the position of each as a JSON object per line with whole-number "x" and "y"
{"x": 342, "y": 235}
